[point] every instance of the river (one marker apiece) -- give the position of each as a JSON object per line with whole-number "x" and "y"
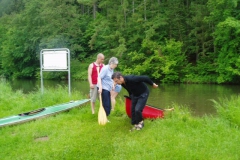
{"x": 195, "y": 96}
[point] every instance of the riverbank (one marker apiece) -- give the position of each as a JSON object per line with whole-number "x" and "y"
{"x": 77, "y": 135}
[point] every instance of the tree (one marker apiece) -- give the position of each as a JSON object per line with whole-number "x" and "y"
{"x": 165, "y": 62}
{"x": 228, "y": 43}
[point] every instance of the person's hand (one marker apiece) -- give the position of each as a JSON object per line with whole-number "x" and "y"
{"x": 91, "y": 86}
{"x": 100, "y": 90}
{"x": 154, "y": 85}
{"x": 113, "y": 88}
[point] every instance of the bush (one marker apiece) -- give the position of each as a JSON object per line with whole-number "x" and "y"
{"x": 229, "y": 110}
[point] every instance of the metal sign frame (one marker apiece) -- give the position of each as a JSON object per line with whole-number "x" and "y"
{"x": 57, "y": 59}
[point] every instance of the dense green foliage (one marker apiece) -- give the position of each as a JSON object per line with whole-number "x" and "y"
{"x": 228, "y": 109}
{"x": 189, "y": 41}
{"x": 75, "y": 134}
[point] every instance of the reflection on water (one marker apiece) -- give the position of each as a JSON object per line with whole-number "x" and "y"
{"x": 196, "y": 96}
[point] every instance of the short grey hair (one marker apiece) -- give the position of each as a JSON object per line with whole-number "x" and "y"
{"x": 113, "y": 60}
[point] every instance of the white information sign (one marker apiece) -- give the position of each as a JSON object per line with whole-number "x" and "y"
{"x": 55, "y": 60}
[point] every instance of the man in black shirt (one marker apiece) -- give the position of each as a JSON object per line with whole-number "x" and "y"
{"x": 138, "y": 92}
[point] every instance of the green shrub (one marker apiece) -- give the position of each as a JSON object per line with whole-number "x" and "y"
{"x": 229, "y": 110}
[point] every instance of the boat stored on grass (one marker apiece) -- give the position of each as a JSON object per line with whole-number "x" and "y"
{"x": 40, "y": 113}
{"x": 148, "y": 111}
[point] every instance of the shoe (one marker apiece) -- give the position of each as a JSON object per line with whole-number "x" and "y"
{"x": 141, "y": 123}
{"x": 133, "y": 128}
{"x": 139, "y": 126}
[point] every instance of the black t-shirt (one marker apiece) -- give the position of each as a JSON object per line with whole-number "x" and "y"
{"x": 135, "y": 85}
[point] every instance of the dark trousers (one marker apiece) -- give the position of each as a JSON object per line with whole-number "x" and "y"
{"x": 106, "y": 100}
{"x": 138, "y": 104}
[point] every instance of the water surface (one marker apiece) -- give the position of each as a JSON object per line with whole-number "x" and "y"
{"x": 195, "y": 96}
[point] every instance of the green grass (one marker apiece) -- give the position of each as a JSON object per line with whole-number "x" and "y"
{"x": 76, "y": 134}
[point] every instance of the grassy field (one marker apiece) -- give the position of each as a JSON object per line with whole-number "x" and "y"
{"x": 76, "y": 134}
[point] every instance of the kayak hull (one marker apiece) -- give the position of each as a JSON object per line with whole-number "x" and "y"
{"x": 149, "y": 112}
{"x": 41, "y": 113}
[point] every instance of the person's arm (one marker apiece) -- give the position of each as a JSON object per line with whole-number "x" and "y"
{"x": 145, "y": 79}
{"x": 100, "y": 76}
{"x": 99, "y": 85}
{"x": 90, "y": 75}
{"x": 99, "y": 81}
{"x": 125, "y": 87}
{"x": 113, "y": 86}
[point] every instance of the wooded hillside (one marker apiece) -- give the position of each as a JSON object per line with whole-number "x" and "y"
{"x": 190, "y": 41}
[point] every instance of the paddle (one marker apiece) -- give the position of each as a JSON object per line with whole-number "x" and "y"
{"x": 102, "y": 117}
{"x": 169, "y": 109}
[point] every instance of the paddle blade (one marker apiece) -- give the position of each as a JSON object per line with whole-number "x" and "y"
{"x": 102, "y": 117}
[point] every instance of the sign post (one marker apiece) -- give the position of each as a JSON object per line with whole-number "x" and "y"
{"x": 55, "y": 60}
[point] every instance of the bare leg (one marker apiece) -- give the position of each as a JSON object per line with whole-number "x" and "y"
{"x": 113, "y": 100}
{"x": 93, "y": 96}
{"x": 93, "y": 107}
